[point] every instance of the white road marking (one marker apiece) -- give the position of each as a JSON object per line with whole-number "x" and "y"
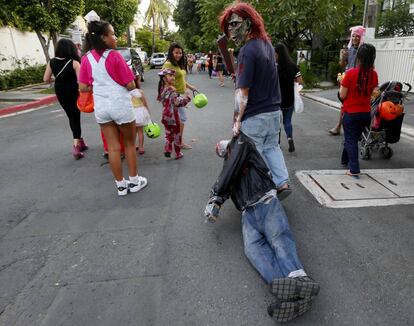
{"x": 24, "y": 111}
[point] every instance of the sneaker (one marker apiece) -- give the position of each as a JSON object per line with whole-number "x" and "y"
{"x": 122, "y": 189}
{"x": 83, "y": 145}
{"x": 167, "y": 154}
{"x": 179, "y": 155}
{"x": 287, "y": 289}
{"x": 135, "y": 187}
{"x": 76, "y": 152}
{"x": 283, "y": 312}
{"x": 291, "y": 145}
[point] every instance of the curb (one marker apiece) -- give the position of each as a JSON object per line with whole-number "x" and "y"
{"x": 322, "y": 100}
{"x": 31, "y": 105}
{"x": 406, "y": 130}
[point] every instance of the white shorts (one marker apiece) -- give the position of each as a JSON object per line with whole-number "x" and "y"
{"x": 142, "y": 117}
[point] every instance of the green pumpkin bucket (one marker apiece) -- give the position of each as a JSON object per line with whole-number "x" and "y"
{"x": 199, "y": 100}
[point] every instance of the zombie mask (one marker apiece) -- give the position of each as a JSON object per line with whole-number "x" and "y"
{"x": 239, "y": 29}
{"x": 222, "y": 148}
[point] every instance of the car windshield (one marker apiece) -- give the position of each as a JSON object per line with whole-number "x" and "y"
{"x": 158, "y": 55}
{"x": 126, "y": 53}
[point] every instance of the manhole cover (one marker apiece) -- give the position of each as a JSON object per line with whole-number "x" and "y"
{"x": 332, "y": 188}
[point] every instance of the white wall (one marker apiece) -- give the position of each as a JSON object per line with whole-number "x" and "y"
{"x": 395, "y": 58}
{"x": 19, "y": 45}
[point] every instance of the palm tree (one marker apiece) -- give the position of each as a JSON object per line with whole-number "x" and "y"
{"x": 158, "y": 13}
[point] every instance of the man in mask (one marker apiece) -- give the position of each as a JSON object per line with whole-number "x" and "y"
{"x": 268, "y": 241}
{"x": 257, "y": 93}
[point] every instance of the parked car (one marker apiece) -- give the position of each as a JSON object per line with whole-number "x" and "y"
{"x": 133, "y": 60}
{"x": 157, "y": 59}
{"x": 144, "y": 57}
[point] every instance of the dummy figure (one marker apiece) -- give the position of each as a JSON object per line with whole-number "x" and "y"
{"x": 268, "y": 241}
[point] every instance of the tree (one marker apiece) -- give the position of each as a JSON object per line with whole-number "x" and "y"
{"x": 158, "y": 13}
{"x": 48, "y": 16}
{"x": 143, "y": 38}
{"x": 396, "y": 21}
{"x": 188, "y": 20}
{"x": 120, "y": 13}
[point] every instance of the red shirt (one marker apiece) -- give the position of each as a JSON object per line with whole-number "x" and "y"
{"x": 355, "y": 102}
{"x": 115, "y": 66}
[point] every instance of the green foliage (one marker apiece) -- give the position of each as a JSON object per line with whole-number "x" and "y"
{"x": 187, "y": 18}
{"x": 293, "y": 22}
{"x": 143, "y": 38}
{"x": 334, "y": 68}
{"x": 119, "y": 13}
{"x": 22, "y": 76}
{"x": 309, "y": 78}
{"x": 44, "y": 16}
{"x": 209, "y": 12}
{"x": 396, "y": 22}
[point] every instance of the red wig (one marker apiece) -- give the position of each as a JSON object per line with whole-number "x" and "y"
{"x": 244, "y": 10}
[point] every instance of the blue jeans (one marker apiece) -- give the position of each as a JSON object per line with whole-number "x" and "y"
{"x": 354, "y": 124}
{"x": 287, "y": 121}
{"x": 268, "y": 241}
{"x": 264, "y": 130}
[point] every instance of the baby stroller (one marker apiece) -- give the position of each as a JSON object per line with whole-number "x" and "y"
{"x": 384, "y": 129}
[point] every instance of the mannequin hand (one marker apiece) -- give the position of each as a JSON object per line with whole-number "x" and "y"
{"x": 211, "y": 212}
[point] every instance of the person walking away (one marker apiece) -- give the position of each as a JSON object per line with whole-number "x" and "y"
{"x": 171, "y": 102}
{"x": 289, "y": 73}
{"x": 348, "y": 59}
{"x": 65, "y": 66}
{"x": 257, "y": 93}
{"x": 220, "y": 69}
{"x": 175, "y": 61}
{"x": 190, "y": 62}
{"x": 104, "y": 71}
{"x": 355, "y": 91}
{"x": 210, "y": 63}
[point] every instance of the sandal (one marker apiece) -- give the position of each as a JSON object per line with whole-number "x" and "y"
{"x": 354, "y": 175}
{"x": 283, "y": 191}
{"x": 185, "y": 146}
{"x": 141, "y": 152}
{"x": 334, "y": 131}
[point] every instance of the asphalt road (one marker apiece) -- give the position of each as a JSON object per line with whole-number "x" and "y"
{"x": 73, "y": 253}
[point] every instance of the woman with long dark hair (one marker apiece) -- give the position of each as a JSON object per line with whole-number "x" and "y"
{"x": 288, "y": 74}
{"x": 176, "y": 61}
{"x": 65, "y": 67}
{"x": 356, "y": 89}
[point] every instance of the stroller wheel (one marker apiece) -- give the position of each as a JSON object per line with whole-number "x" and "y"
{"x": 386, "y": 152}
{"x": 365, "y": 153}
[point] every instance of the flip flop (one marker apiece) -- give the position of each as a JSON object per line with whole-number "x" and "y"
{"x": 353, "y": 175}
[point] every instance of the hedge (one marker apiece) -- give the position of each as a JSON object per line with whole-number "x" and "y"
{"x": 22, "y": 77}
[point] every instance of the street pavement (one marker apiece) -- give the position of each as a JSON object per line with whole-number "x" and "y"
{"x": 73, "y": 253}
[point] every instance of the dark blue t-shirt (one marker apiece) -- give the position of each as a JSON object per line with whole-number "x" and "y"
{"x": 256, "y": 70}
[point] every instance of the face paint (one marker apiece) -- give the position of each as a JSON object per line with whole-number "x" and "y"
{"x": 239, "y": 29}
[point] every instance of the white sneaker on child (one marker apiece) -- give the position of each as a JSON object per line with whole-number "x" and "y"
{"x": 135, "y": 184}
{"x": 122, "y": 187}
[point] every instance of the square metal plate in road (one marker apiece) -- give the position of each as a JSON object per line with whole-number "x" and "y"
{"x": 333, "y": 188}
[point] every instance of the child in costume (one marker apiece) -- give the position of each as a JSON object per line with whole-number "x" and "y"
{"x": 171, "y": 101}
{"x": 142, "y": 118}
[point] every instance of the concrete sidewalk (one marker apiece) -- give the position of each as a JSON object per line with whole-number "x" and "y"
{"x": 25, "y": 98}
{"x": 329, "y": 97}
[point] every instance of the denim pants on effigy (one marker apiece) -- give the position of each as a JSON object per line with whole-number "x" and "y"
{"x": 268, "y": 241}
{"x": 264, "y": 130}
